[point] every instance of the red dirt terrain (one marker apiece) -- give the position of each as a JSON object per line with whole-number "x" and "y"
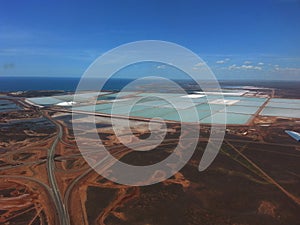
{"x": 44, "y": 179}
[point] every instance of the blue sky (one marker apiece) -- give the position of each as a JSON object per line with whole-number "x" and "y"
{"x": 238, "y": 39}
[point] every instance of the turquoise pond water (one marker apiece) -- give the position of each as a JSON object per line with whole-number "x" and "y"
{"x": 282, "y": 108}
{"x": 231, "y": 118}
{"x": 284, "y": 100}
{"x": 45, "y": 100}
{"x": 200, "y": 113}
{"x": 249, "y": 110}
{"x": 53, "y": 100}
{"x": 240, "y": 109}
{"x": 249, "y": 103}
{"x": 272, "y": 111}
{"x": 284, "y": 103}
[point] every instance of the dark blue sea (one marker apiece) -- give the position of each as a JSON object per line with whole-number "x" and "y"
{"x": 8, "y": 84}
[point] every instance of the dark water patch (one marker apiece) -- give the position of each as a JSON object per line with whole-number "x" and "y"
{"x": 15, "y": 130}
{"x": 8, "y": 106}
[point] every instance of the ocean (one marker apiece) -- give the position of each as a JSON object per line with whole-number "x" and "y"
{"x": 9, "y": 84}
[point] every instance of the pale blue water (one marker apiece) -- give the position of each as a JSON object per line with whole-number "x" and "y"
{"x": 270, "y": 111}
{"x": 195, "y": 100}
{"x": 283, "y": 105}
{"x": 152, "y": 106}
{"x": 284, "y": 100}
{"x": 45, "y": 100}
{"x": 159, "y": 105}
{"x": 241, "y": 109}
{"x": 187, "y": 115}
{"x": 255, "y": 99}
{"x": 210, "y": 107}
{"x": 151, "y": 112}
{"x": 92, "y": 108}
{"x": 231, "y": 118}
{"x": 249, "y": 103}
{"x": 53, "y": 100}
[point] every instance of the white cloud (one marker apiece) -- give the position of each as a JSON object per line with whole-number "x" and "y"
{"x": 200, "y": 64}
{"x": 287, "y": 70}
{"x": 260, "y": 64}
{"x": 257, "y": 67}
{"x": 223, "y": 61}
{"x": 247, "y": 62}
{"x": 232, "y": 67}
{"x": 244, "y": 67}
